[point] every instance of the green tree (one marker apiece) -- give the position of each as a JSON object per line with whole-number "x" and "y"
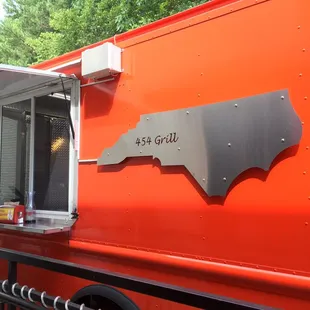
{"x": 25, "y": 20}
{"x": 36, "y": 30}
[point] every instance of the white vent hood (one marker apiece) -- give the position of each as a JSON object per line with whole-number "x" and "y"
{"x": 101, "y": 61}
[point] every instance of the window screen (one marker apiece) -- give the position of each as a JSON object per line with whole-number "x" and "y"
{"x": 52, "y": 143}
{"x": 14, "y": 153}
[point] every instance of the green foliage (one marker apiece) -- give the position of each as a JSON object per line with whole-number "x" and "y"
{"x": 36, "y": 30}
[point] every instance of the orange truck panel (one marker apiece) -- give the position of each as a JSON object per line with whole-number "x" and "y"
{"x": 147, "y": 220}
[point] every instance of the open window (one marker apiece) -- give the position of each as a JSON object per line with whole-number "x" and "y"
{"x": 39, "y": 113}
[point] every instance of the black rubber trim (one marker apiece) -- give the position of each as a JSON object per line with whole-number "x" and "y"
{"x": 107, "y": 292}
{"x": 166, "y": 291}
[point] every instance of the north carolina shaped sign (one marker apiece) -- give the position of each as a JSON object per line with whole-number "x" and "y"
{"x": 215, "y": 142}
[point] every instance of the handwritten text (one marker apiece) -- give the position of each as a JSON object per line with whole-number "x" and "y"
{"x": 158, "y": 140}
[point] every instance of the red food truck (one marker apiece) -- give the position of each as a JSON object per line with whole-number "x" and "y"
{"x": 163, "y": 168}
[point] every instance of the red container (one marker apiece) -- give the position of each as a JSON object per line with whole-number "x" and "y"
{"x": 12, "y": 214}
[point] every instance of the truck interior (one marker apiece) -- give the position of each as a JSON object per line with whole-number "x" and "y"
{"x": 51, "y": 153}
{"x": 39, "y": 113}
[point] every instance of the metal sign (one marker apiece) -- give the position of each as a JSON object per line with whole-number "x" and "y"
{"x": 215, "y": 142}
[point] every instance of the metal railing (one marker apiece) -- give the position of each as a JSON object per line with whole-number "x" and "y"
{"x": 15, "y": 295}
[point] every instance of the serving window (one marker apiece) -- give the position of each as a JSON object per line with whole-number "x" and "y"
{"x": 39, "y": 113}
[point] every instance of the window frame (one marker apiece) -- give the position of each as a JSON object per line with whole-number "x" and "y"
{"x": 74, "y": 86}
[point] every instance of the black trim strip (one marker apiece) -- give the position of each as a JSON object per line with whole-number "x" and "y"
{"x": 152, "y": 288}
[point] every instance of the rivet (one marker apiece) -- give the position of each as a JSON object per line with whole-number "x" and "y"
{"x": 302, "y": 123}
{"x": 306, "y": 98}
{"x": 300, "y": 74}
{"x": 309, "y": 197}
{"x": 282, "y": 140}
{"x": 198, "y": 54}
{"x": 108, "y": 154}
{"x": 198, "y": 95}
{"x": 140, "y": 151}
{"x": 187, "y": 112}
{"x": 298, "y": 27}
{"x": 201, "y": 73}
{"x": 224, "y": 179}
{"x": 236, "y": 105}
{"x": 203, "y": 238}
{"x": 179, "y": 148}
{"x": 306, "y": 223}
{"x": 307, "y": 148}
{"x": 282, "y": 97}
{"x": 303, "y": 49}
{"x": 204, "y": 180}
{"x": 304, "y": 172}
{"x": 147, "y": 118}
{"x": 229, "y": 144}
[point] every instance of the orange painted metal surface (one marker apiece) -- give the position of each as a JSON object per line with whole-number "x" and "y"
{"x": 268, "y": 281}
{"x": 152, "y": 221}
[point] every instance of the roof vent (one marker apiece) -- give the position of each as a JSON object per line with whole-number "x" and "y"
{"x": 101, "y": 61}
